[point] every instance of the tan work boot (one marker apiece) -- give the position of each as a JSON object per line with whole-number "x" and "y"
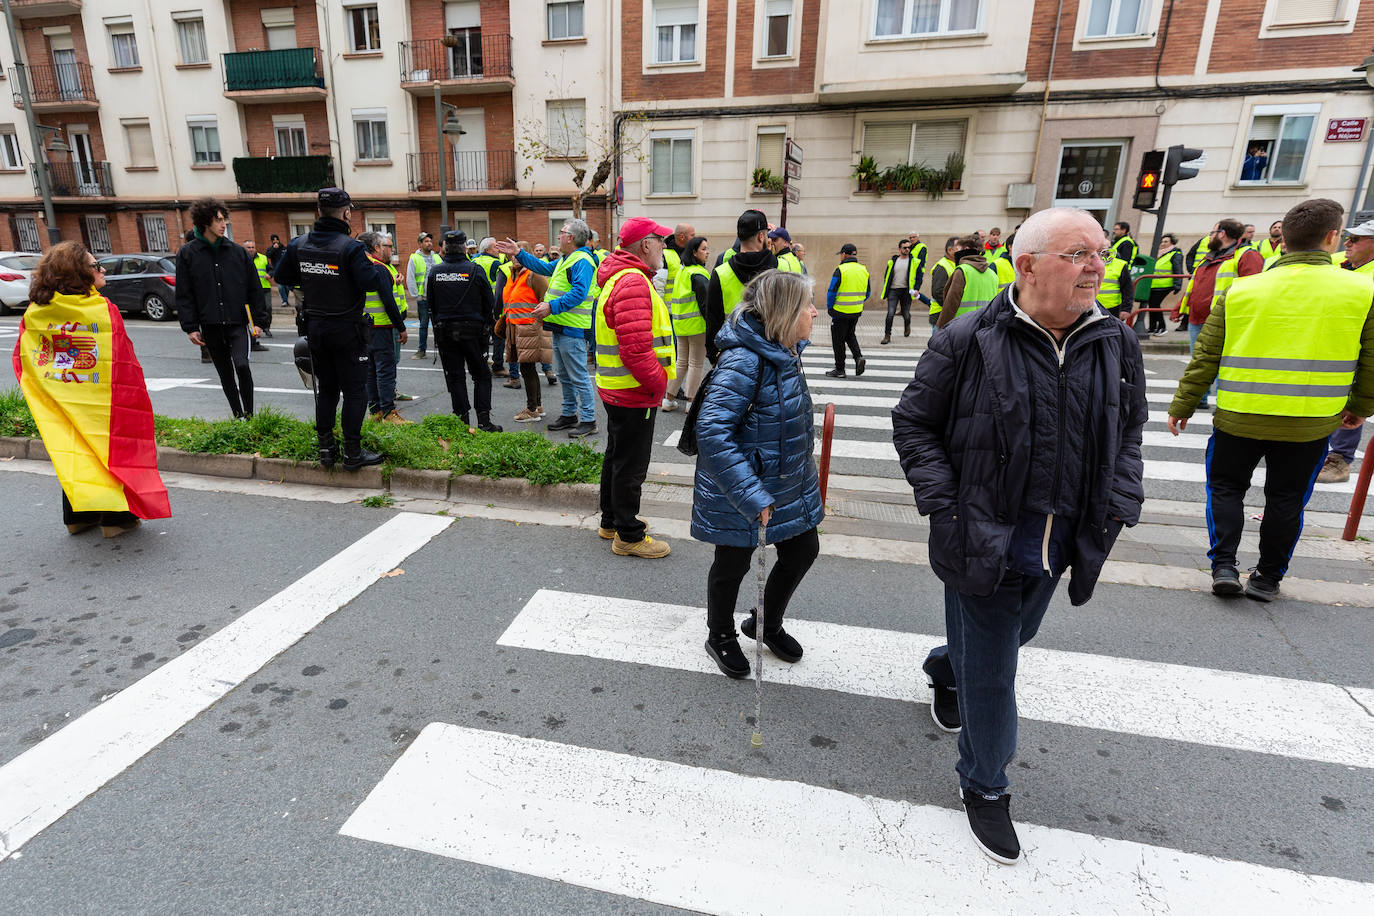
{"x": 648, "y": 549}
{"x": 375, "y": 416}
{"x": 1334, "y": 470}
{"x": 395, "y": 419}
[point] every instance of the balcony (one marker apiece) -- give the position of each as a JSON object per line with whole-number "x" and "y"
{"x": 464, "y": 170}
{"x": 477, "y": 63}
{"x": 268, "y": 77}
{"x": 32, "y": 9}
{"x": 283, "y": 174}
{"x": 74, "y": 179}
{"x": 60, "y": 87}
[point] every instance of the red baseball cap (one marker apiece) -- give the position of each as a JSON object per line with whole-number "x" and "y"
{"x": 637, "y": 227}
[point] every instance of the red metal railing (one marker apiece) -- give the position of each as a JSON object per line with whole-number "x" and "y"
{"x": 827, "y": 434}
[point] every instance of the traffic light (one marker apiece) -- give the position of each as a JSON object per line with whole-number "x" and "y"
{"x": 1147, "y": 185}
{"x": 1174, "y": 171}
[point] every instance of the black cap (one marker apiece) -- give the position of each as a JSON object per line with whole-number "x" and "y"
{"x": 455, "y": 237}
{"x": 750, "y": 224}
{"x": 848, "y": 248}
{"x": 333, "y": 198}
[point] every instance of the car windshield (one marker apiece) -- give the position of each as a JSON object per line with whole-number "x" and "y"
{"x": 20, "y": 261}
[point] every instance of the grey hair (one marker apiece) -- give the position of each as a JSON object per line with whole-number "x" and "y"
{"x": 776, "y": 298}
{"x": 1036, "y": 232}
{"x": 579, "y": 230}
{"x": 371, "y": 240}
{"x": 486, "y": 243}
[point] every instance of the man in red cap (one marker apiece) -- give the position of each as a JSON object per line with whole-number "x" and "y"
{"x": 636, "y": 355}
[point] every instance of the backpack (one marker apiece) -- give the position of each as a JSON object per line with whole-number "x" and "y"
{"x": 687, "y": 442}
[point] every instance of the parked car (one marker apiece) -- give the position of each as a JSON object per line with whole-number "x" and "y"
{"x": 16, "y": 268}
{"x": 141, "y": 283}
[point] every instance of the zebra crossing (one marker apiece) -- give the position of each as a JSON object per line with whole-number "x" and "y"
{"x": 717, "y": 840}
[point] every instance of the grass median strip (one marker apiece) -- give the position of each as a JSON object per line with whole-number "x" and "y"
{"x": 438, "y": 442}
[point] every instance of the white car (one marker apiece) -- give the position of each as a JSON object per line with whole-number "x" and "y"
{"x": 16, "y": 267}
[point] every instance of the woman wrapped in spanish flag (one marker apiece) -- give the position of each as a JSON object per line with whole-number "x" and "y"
{"x": 85, "y": 389}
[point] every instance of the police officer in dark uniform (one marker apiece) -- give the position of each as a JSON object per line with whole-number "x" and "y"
{"x": 334, "y": 275}
{"x": 463, "y": 310}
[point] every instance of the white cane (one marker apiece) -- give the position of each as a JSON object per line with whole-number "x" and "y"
{"x": 757, "y": 739}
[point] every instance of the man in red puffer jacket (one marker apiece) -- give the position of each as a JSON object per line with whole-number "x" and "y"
{"x": 636, "y": 355}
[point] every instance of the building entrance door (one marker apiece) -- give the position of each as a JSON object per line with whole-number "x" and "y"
{"x": 1090, "y": 177}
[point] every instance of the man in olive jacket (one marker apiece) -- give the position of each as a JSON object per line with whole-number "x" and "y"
{"x": 1020, "y": 435}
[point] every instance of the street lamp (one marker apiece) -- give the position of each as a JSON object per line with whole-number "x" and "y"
{"x": 1367, "y": 68}
{"x": 444, "y": 125}
{"x": 40, "y": 168}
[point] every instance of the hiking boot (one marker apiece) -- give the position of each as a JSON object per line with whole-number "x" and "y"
{"x": 1261, "y": 587}
{"x": 355, "y": 457}
{"x": 563, "y": 422}
{"x": 527, "y": 416}
{"x": 484, "y": 422}
{"x": 582, "y": 430}
{"x": 647, "y": 549}
{"x": 396, "y": 419}
{"x": 114, "y": 531}
{"x": 513, "y": 383}
{"x": 1334, "y": 470}
{"x": 375, "y": 416}
{"x": 1226, "y": 581}
{"x": 887, "y": 339}
{"x": 859, "y": 365}
{"x": 80, "y": 527}
{"x": 989, "y": 820}
{"x": 329, "y": 451}
{"x": 418, "y": 354}
{"x": 609, "y": 533}
{"x": 835, "y": 373}
{"x": 780, "y": 643}
{"x": 728, "y": 656}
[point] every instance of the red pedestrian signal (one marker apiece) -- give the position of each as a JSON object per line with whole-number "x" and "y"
{"x": 1148, "y": 180}
{"x": 1151, "y": 175}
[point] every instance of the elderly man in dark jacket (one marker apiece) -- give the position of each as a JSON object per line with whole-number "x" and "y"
{"x": 1020, "y": 435}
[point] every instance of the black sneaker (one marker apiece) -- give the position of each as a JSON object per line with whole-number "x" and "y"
{"x": 860, "y": 365}
{"x": 582, "y": 430}
{"x": 835, "y": 373}
{"x": 944, "y": 705}
{"x": 1226, "y": 581}
{"x": 989, "y": 820}
{"x": 563, "y": 422}
{"x": 728, "y": 656}
{"x": 779, "y": 643}
{"x": 1261, "y": 587}
{"x": 259, "y": 348}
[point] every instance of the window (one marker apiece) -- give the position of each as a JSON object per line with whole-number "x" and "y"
{"x": 463, "y": 22}
{"x": 289, "y": 131}
{"x": 769, "y": 149}
{"x": 912, "y": 143}
{"x": 11, "y": 156}
{"x": 364, "y": 29}
{"x": 98, "y": 235}
{"x": 670, "y": 162}
{"x": 384, "y": 223}
{"x": 153, "y": 228}
{"x": 138, "y": 140}
{"x": 901, "y": 18}
{"x": 1114, "y": 18}
{"x": 565, "y": 20}
{"x": 1278, "y": 143}
{"x": 1305, "y": 12}
{"x": 474, "y": 227}
{"x": 675, "y": 31}
{"x": 191, "y": 39}
{"x": 567, "y": 120}
{"x": 26, "y": 233}
{"x": 369, "y": 134}
{"x": 123, "y": 45}
{"x": 301, "y": 223}
{"x": 279, "y": 24}
{"x": 557, "y": 219}
{"x": 777, "y": 28}
{"x": 204, "y": 141}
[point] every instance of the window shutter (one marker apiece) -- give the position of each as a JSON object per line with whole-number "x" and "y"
{"x": 935, "y": 140}
{"x": 1265, "y": 127}
{"x": 888, "y": 142}
{"x": 770, "y": 151}
{"x": 675, "y": 12}
{"x": 1291, "y": 12}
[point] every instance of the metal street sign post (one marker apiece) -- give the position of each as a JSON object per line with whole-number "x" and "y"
{"x": 791, "y": 171}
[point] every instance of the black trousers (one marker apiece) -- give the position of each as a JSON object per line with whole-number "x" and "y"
{"x": 228, "y": 346}
{"x": 1290, "y": 471}
{"x": 109, "y": 519}
{"x": 731, "y": 564}
{"x": 1156, "y": 297}
{"x": 338, "y": 353}
{"x": 533, "y": 396}
{"x": 898, "y": 300}
{"x": 460, "y": 356}
{"x": 842, "y": 334}
{"x": 629, "y": 441}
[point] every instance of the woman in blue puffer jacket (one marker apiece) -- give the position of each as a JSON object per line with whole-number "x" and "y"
{"x": 754, "y": 464}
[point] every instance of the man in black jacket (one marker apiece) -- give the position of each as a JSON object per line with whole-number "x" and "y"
{"x": 1020, "y": 435}
{"x": 334, "y": 274}
{"x": 753, "y": 259}
{"x": 217, "y": 284}
{"x": 463, "y": 309}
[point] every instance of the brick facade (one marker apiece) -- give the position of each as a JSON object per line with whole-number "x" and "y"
{"x": 1242, "y": 50}
{"x": 638, "y": 86}
{"x": 773, "y": 80}
{"x": 248, "y": 32}
{"x": 261, "y": 136}
{"x": 1180, "y": 45}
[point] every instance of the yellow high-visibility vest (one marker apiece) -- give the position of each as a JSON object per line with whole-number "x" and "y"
{"x": 559, "y": 284}
{"x": 731, "y": 289}
{"x": 1006, "y": 274}
{"x": 260, "y": 262}
{"x": 610, "y": 370}
{"x": 788, "y": 263}
{"x": 372, "y": 301}
{"x": 1293, "y": 340}
{"x": 672, "y": 263}
{"x": 686, "y": 312}
{"x": 853, "y": 289}
{"x": 1109, "y": 294}
{"x": 948, "y": 264}
{"x": 1226, "y": 275}
{"x": 980, "y": 286}
{"x": 422, "y": 263}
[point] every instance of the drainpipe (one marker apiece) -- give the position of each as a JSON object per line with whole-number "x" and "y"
{"x": 1045, "y": 102}
{"x": 335, "y": 137}
{"x": 166, "y": 131}
{"x": 40, "y": 163}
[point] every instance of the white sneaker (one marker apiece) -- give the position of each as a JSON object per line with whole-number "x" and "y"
{"x": 669, "y": 405}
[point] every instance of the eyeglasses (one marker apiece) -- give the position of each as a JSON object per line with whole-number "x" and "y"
{"x": 99, "y": 267}
{"x": 1105, "y": 255}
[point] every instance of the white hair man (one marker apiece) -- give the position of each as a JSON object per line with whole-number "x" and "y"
{"x": 1018, "y": 496}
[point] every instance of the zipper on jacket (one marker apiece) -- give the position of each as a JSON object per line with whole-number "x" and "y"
{"x": 1045, "y": 543}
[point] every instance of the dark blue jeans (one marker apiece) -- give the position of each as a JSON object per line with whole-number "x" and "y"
{"x": 985, "y": 636}
{"x": 381, "y": 370}
{"x": 1345, "y": 441}
{"x": 422, "y": 311}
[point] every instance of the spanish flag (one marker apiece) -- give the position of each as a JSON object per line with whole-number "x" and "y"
{"x": 86, "y": 392}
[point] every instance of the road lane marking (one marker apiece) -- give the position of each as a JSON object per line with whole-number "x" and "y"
{"x": 41, "y": 785}
{"x": 652, "y": 830}
{"x": 1257, "y": 713}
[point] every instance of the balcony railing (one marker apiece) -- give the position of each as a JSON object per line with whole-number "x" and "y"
{"x": 58, "y": 83}
{"x": 466, "y": 170}
{"x": 257, "y": 70}
{"x": 75, "y": 179}
{"x": 283, "y": 174}
{"x": 476, "y": 56}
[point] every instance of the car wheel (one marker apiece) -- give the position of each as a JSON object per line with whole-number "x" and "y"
{"x": 155, "y": 307}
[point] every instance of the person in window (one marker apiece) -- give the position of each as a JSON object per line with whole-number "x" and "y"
{"x": 1256, "y": 162}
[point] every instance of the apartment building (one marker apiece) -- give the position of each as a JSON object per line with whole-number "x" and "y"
{"x": 262, "y": 102}
{"x": 1044, "y": 101}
